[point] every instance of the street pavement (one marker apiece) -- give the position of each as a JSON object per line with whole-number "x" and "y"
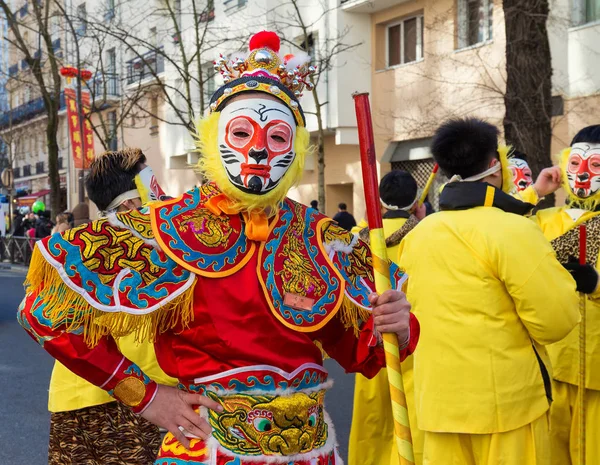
{"x": 25, "y": 372}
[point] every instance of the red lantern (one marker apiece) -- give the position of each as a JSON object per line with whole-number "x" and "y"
{"x": 68, "y": 71}
{"x": 85, "y": 74}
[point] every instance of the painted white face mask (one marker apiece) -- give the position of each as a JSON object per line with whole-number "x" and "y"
{"x": 583, "y": 169}
{"x": 148, "y": 186}
{"x": 256, "y": 142}
{"x": 521, "y": 172}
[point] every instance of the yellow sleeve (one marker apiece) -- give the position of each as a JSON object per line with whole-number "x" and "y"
{"x": 542, "y": 290}
{"x": 528, "y": 195}
{"x": 596, "y": 294}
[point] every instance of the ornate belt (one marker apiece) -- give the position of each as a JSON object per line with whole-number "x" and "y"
{"x": 269, "y": 413}
{"x": 271, "y": 425}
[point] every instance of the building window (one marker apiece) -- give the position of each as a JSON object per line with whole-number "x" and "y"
{"x": 111, "y": 61}
{"x": 309, "y": 45}
{"x": 475, "y": 22}
{"x": 233, "y": 4}
{"x": 81, "y": 21}
{"x": 153, "y": 39}
{"x": 209, "y": 13}
{"x": 112, "y": 131}
{"x": 585, "y": 11}
{"x": 208, "y": 77}
{"x": 55, "y": 25}
{"x": 405, "y": 41}
{"x": 154, "y": 116}
{"x": 110, "y": 10}
{"x": 177, "y": 13}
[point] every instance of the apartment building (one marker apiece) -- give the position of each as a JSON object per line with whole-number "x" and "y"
{"x": 422, "y": 60}
{"x": 435, "y": 59}
{"x": 22, "y": 120}
{"x": 228, "y": 25}
{"x": 149, "y": 85}
{"x": 4, "y": 162}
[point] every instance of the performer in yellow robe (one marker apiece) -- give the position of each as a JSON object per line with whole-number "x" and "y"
{"x": 371, "y": 440}
{"x": 581, "y": 177}
{"x": 524, "y": 189}
{"x": 476, "y": 270}
{"x": 372, "y": 432}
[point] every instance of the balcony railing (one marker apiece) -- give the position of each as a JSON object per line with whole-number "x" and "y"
{"x": 27, "y": 170}
{"x": 39, "y": 167}
{"x": 148, "y": 65}
{"x": 109, "y": 83}
{"x": 27, "y": 111}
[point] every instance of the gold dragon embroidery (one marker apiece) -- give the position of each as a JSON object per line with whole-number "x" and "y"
{"x": 211, "y": 230}
{"x": 297, "y": 270}
{"x": 267, "y": 425}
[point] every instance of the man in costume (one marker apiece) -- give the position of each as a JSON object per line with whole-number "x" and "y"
{"x": 372, "y": 434}
{"x": 240, "y": 288}
{"x": 482, "y": 386}
{"x": 580, "y": 166}
{"x": 523, "y": 187}
{"x": 79, "y": 410}
{"x": 521, "y": 173}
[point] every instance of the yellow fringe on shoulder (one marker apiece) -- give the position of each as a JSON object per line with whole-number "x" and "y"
{"x": 351, "y": 315}
{"x": 70, "y": 311}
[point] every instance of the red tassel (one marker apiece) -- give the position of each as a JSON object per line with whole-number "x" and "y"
{"x": 265, "y": 39}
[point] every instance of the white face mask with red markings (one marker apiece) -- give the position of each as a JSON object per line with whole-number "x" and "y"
{"x": 148, "y": 186}
{"x": 256, "y": 143}
{"x": 521, "y": 172}
{"x": 583, "y": 169}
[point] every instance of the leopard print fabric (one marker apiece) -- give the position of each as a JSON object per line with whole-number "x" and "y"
{"x": 108, "y": 434}
{"x": 567, "y": 245}
{"x": 396, "y": 237}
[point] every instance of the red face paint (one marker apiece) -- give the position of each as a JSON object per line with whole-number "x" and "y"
{"x": 521, "y": 172}
{"x": 256, "y": 143}
{"x": 583, "y": 170}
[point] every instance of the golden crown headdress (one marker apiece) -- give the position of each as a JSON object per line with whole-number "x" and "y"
{"x": 265, "y": 70}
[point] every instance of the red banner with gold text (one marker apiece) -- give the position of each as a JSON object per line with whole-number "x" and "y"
{"x": 83, "y": 147}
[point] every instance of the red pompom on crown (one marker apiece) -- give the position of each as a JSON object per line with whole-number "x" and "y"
{"x": 293, "y": 72}
{"x": 265, "y": 39}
